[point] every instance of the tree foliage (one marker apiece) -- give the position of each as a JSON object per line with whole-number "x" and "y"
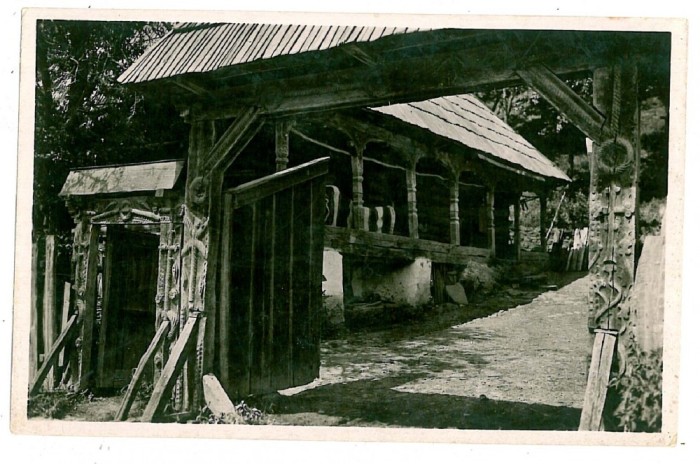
{"x": 84, "y": 116}
{"x": 562, "y": 142}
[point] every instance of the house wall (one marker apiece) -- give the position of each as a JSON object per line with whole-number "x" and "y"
{"x": 406, "y": 284}
{"x": 333, "y": 294}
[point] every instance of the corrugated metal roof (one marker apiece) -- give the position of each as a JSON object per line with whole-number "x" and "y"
{"x": 121, "y": 179}
{"x": 197, "y": 48}
{"x": 465, "y": 119}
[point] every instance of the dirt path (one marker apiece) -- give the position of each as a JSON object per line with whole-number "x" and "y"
{"x": 524, "y": 368}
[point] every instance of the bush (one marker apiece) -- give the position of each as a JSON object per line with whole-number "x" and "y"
{"x": 640, "y": 392}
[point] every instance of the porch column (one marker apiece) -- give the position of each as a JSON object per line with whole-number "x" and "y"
{"x": 543, "y": 221}
{"x": 516, "y": 227}
{"x": 412, "y": 203}
{"x": 357, "y": 165}
{"x": 282, "y": 145}
{"x": 490, "y": 222}
{"x": 454, "y": 209}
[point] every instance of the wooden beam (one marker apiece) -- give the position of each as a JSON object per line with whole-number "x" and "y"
{"x": 52, "y": 356}
{"x": 362, "y": 243}
{"x": 265, "y": 186}
{"x": 587, "y": 118}
{"x": 178, "y": 356}
{"x": 136, "y": 379}
{"x": 242, "y": 129}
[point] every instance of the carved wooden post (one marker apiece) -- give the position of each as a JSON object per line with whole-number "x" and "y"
{"x": 209, "y": 156}
{"x": 357, "y": 165}
{"x": 490, "y": 222}
{"x": 412, "y": 203}
{"x": 454, "y": 209}
{"x": 612, "y": 237}
{"x": 613, "y": 197}
{"x": 85, "y": 256}
{"x": 543, "y": 221}
{"x": 282, "y": 144}
{"x": 516, "y": 227}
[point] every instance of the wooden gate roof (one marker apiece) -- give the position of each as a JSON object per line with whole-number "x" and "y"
{"x": 467, "y": 120}
{"x": 200, "y": 47}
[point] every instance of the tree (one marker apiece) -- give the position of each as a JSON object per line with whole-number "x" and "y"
{"x": 84, "y": 116}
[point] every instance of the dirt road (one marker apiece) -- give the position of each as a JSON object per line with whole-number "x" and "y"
{"x": 524, "y": 368}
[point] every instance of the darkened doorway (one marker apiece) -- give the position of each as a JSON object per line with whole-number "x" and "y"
{"x": 130, "y": 277}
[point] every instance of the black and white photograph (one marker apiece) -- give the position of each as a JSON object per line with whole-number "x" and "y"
{"x": 393, "y": 228}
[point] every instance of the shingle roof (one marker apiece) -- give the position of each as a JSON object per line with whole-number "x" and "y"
{"x": 465, "y": 119}
{"x": 124, "y": 178}
{"x": 198, "y": 48}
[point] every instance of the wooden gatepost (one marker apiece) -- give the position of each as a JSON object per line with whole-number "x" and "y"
{"x": 613, "y": 124}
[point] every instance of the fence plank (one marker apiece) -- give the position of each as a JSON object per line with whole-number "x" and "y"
{"x": 49, "y": 301}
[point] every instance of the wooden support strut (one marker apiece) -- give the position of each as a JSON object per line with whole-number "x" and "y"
{"x": 598, "y": 379}
{"x": 52, "y": 356}
{"x": 181, "y": 351}
{"x": 136, "y": 379}
{"x": 563, "y": 98}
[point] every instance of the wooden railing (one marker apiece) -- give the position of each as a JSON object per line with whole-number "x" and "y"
{"x": 373, "y": 244}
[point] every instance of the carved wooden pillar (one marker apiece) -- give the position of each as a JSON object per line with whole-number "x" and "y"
{"x": 516, "y": 227}
{"x": 543, "y": 221}
{"x": 612, "y": 236}
{"x": 454, "y": 209}
{"x": 209, "y": 156}
{"x": 357, "y": 165}
{"x": 195, "y": 251}
{"x": 282, "y": 144}
{"x": 85, "y": 256}
{"x": 613, "y": 197}
{"x": 412, "y": 203}
{"x": 490, "y": 221}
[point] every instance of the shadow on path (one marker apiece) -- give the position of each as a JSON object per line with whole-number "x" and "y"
{"x": 375, "y": 403}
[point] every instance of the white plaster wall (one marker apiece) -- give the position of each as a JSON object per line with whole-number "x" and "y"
{"x": 333, "y": 285}
{"x": 409, "y": 285}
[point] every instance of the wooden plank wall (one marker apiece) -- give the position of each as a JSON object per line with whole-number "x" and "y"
{"x": 273, "y": 248}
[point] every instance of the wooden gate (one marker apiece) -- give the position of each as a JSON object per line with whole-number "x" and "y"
{"x": 271, "y": 273}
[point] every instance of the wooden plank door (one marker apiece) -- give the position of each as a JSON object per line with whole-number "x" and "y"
{"x": 271, "y": 273}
